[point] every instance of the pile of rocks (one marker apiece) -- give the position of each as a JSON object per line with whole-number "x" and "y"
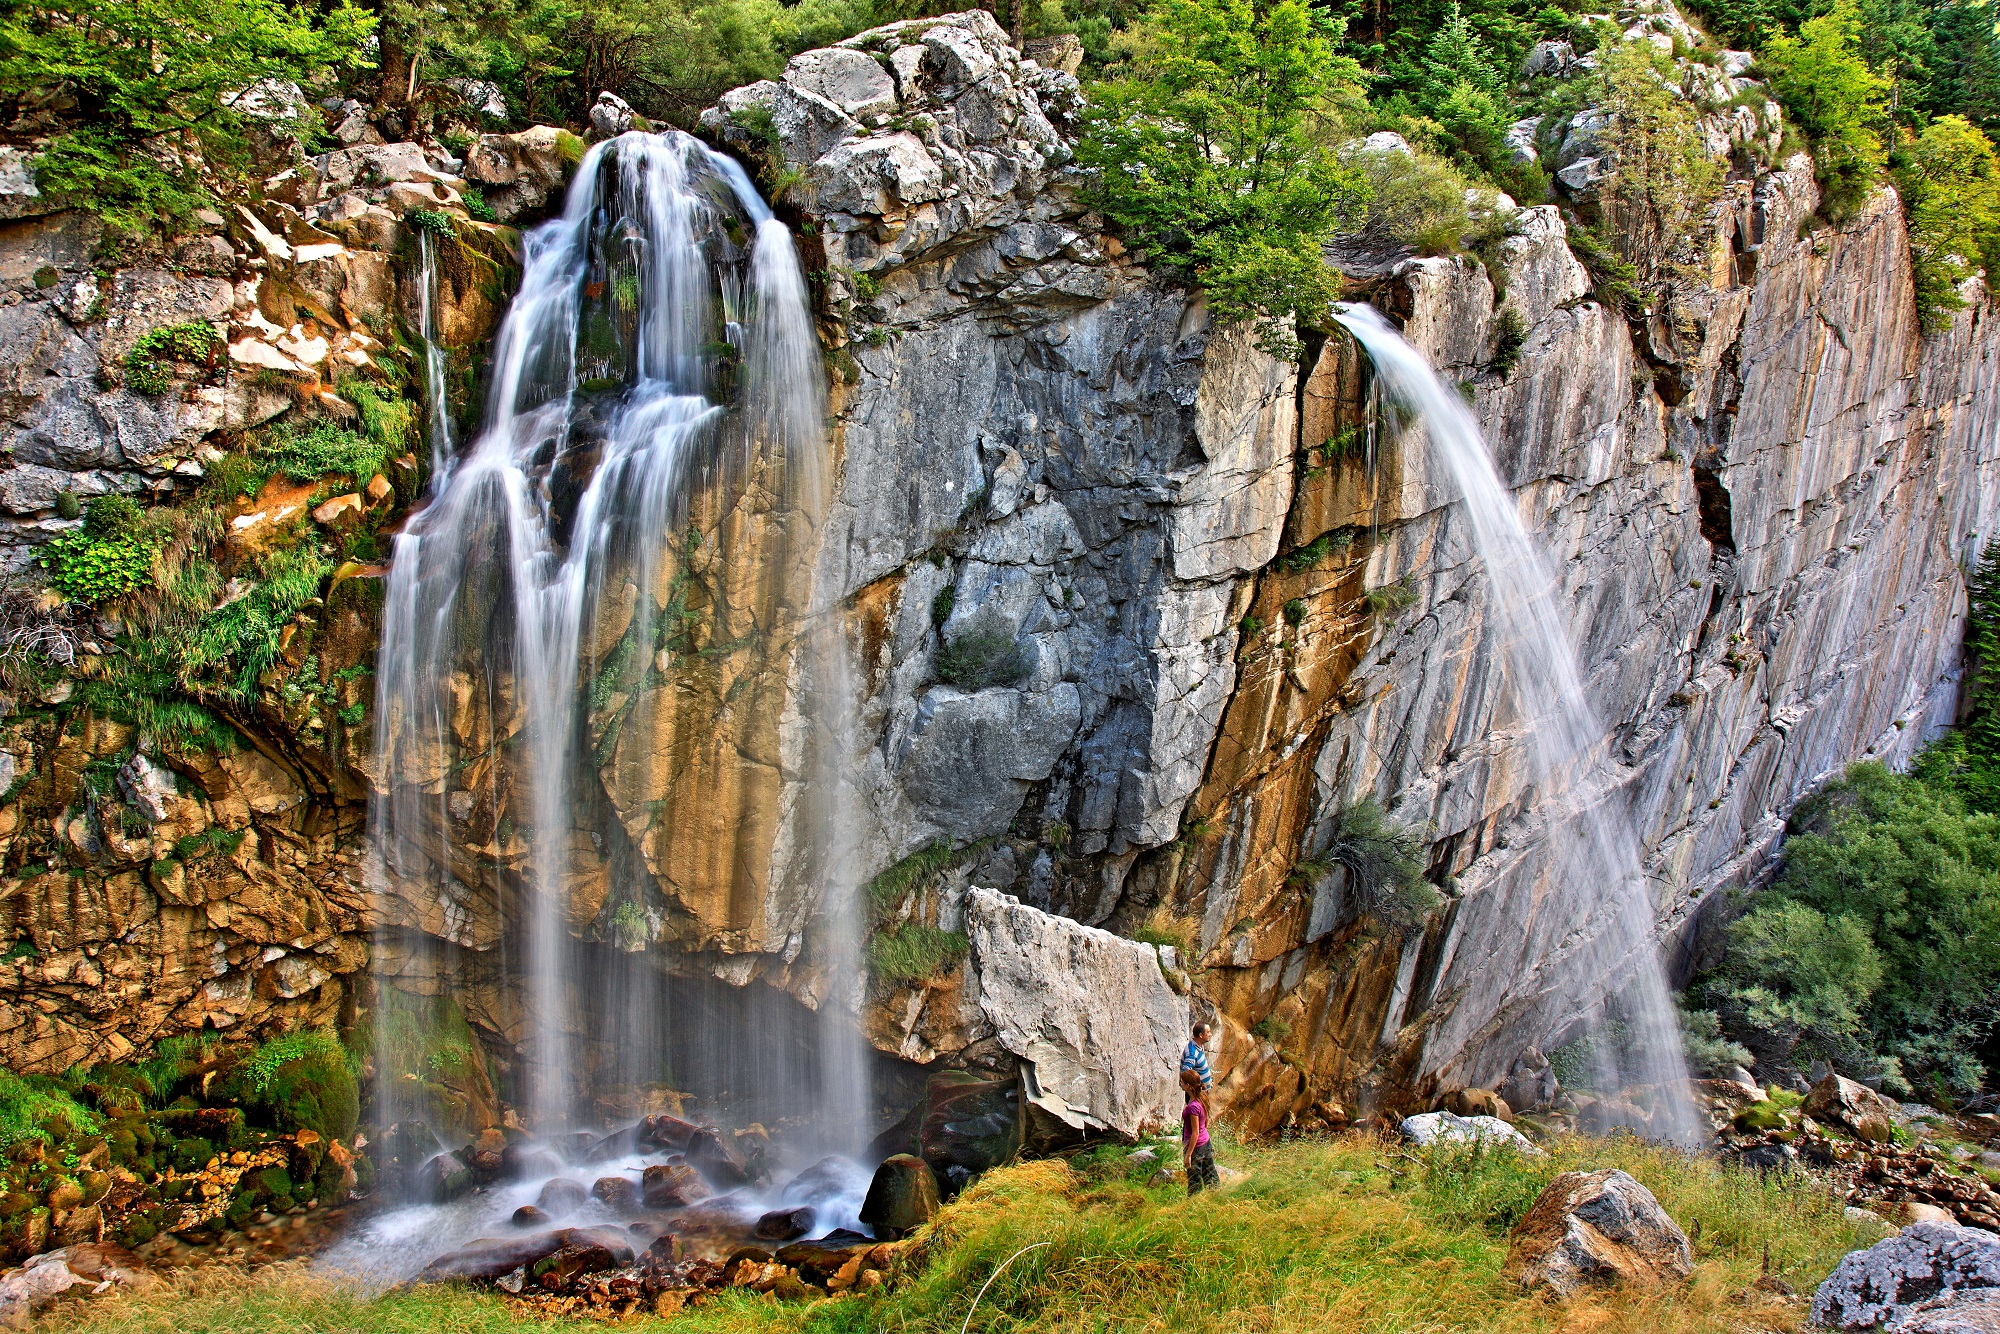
{"x": 1847, "y": 1133}
{"x": 642, "y": 1267}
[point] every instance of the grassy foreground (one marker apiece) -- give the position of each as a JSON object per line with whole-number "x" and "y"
{"x": 1354, "y": 1234}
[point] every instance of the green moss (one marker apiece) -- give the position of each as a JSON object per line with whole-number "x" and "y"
{"x": 569, "y": 148}
{"x": 34, "y": 1108}
{"x": 302, "y": 1081}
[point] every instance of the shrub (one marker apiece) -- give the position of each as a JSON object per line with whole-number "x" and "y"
{"x": 432, "y": 221}
{"x": 981, "y": 659}
{"x": 1880, "y": 937}
{"x": 1665, "y": 177}
{"x": 148, "y": 366}
{"x": 1413, "y": 201}
{"x": 476, "y": 206}
{"x": 1709, "y": 1053}
{"x": 1509, "y": 333}
{"x": 1384, "y": 865}
{"x": 1390, "y": 599}
{"x": 302, "y": 1081}
{"x": 111, "y": 555}
{"x": 39, "y": 1109}
{"x": 322, "y": 449}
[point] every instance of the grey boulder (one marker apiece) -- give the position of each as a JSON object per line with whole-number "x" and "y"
{"x": 1883, "y": 1286}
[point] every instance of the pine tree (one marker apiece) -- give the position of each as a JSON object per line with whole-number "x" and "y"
{"x": 1454, "y": 60}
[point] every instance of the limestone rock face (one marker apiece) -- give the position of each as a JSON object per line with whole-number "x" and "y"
{"x": 1597, "y": 1228}
{"x": 1884, "y": 1285}
{"x": 1090, "y": 1014}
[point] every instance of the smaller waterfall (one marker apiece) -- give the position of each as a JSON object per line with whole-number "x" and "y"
{"x": 1596, "y": 877}
{"x": 434, "y": 390}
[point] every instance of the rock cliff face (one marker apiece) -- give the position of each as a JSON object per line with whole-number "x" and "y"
{"x": 1129, "y": 635}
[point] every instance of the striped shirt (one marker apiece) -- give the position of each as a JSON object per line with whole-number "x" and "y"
{"x": 1195, "y": 1059}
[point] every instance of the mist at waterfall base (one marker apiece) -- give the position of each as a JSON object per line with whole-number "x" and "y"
{"x": 1615, "y": 987}
{"x": 661, "y": 343}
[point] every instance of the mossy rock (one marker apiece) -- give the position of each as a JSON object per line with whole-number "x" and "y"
{"x": 14, "y": 1203}
{"x": 135, "y": 1231}
{"x": 1762, "y": 1116}
{"x": 272, "y": 1188}
{"x": 192, "y": 1153}
{"x": 313, "y": 1093}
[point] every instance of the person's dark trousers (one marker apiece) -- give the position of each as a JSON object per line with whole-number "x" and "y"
{"x": 1201, "y": 1169}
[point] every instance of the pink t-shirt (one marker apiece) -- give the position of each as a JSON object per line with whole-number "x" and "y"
{"x": 1194, "y": 1124}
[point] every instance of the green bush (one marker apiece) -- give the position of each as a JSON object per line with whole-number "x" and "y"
{"x": 432, "y": 221}
{"x": 39, "y": 1109}
{"x": 323, "y": 449}
{"x": 111, "y": 555}
{"x": 1950, "y": 183}
{"x": 148, "y": 366}
{"x": 1827, "y": 87}
{"x": 302, "y": 1081}
{"x": 1384, "y": 865}
{"x": 1879, "y": 944}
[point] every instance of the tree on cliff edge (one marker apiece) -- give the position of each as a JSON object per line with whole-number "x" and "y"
{"x": 1211, "y": 153}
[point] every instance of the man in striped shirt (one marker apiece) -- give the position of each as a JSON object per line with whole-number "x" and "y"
{"x": 1195, "y": 1058}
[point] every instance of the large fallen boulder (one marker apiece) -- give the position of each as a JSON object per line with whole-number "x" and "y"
{"x": 1883, "y": 1286}
{"x": 1597, "y": 1228}
{"x": 1090, "y": 1015}
{"x": 902, "y": 1197}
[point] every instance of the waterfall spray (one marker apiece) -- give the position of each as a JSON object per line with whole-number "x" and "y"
{"x": 661, "y": 342}
{"x": 1597, "y": 874}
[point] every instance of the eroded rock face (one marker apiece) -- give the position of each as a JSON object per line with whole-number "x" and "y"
{"x": 1591, "y": 1228}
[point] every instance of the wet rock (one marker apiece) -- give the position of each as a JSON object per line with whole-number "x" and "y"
{"x": 672, "y": 1186}
{"x": 1597, "y": 1228}
{"x": 618, "y": 1194}
{"x": 443, "y": 1177}
{"x": 610, "y": 115}
{"x": 711, "y": 1154}
{"x": 562, "y": 1196}
{"x": 667, "y": 1132}
{"x": 969, "y": 1125}
{"x": 1762, "y": 1158}
{"x": 557, "y": 1271}
{"x": 1884, "y": 1284}
{"x": 530, "y": 1216}
{"x": 824, "y": 1182}
{"x": 902, "y": 1196}
{"x": 487, "y": 1258}
{"x": 826, "y": 1256}
{"x": 785, "y": 1224}
{"x": 522, "y": 1161}
{"x": 1447, "y": 1128}
{"x": 1531, "y": 1082}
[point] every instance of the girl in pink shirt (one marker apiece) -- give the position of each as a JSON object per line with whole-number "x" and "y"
{"x": 1196, "y": 1155}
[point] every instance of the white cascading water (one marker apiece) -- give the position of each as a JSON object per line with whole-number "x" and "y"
{"x": 427, "y": 330}
{"x": 606, "y": 365}
{"x": 1596, "y": 877}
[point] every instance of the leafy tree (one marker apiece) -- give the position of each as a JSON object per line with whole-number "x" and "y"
{"x": 1211, "y": 153}
{"x": 1950, "y": 184}
{"x": 1882, "y": 935}
{"x": 155, "y": 84}
{"x": 1665, "y": 178}
{"x": 1827, "y": 87}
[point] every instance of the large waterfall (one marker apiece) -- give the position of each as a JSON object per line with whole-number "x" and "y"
{"x": 1596, "y": 886}
{"x": 661, "y": 347}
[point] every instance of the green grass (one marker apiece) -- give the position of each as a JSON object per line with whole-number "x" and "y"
{"x": 1356, "y": 1235}
{"x": 913, "y": 952}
